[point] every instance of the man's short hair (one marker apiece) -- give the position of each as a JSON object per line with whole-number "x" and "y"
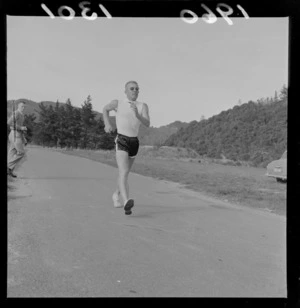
{"x": 128, "y": 82}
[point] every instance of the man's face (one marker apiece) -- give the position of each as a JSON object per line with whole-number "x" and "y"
{"x": 132, "y": 91}
{"x": 21, "y": 107}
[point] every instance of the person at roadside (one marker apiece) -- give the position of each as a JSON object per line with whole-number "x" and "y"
{"x": 17, "y": 139}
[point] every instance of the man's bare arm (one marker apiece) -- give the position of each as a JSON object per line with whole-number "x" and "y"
{"x": 113, "y": 105}
{"x": 144, "y": 118}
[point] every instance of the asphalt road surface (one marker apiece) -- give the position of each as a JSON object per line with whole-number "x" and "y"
{"x": 65, "y": 238}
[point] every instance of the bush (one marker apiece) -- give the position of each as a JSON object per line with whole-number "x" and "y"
{"x": 106, "y": 142}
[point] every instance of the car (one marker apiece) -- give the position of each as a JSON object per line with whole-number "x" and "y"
{"x": 278, "y": 168}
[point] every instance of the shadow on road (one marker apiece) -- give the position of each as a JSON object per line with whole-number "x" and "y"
{"x": 151, "y": 211}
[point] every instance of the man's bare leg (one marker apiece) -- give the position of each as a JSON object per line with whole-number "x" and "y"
{"x": 117, "y": 191}
{"x": 124, "y": 165}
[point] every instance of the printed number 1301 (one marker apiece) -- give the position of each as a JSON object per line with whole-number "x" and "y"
{"x": 82, "y": 6}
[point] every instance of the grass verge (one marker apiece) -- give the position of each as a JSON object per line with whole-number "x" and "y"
{"x": 245, "y": 186}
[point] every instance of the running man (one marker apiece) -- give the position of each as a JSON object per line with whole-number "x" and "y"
{"x": 17, "y": 140}
{"x": 130, "y": 113}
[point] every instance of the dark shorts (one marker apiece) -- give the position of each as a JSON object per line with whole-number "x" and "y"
{"x": 127, "y": 144}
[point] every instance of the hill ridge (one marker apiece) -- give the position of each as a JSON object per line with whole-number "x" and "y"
{"x": 254, "y": 131}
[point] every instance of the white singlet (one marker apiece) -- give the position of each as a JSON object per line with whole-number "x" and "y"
{"x": 127, "y": 123}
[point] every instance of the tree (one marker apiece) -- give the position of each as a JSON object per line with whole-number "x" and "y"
{"x": 88, "y": 121}
{"x": 46, "y": 128}
{"x": 61, "y": 125}
{"x": 29, "y": 122}
{"x": 58, "y": 126}
{"x": 283, "y": 93}
{"x": 70, "y": 124}
{"x": 106, "y": 141}
{"x": 97, "y": 132}
{"x": 77, "y": 127}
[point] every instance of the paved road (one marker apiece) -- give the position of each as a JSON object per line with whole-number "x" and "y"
{"x": 65, "y": 239}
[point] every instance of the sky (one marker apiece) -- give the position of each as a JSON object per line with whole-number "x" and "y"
{"x": 184, "y": 71}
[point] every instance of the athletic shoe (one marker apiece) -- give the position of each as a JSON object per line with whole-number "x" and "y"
{"x": 10, "y": 172}
{"x": 116, "y": 200}
{"x": 128, "y": 206}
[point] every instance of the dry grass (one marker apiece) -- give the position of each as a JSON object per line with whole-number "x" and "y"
{"x": 246, "y": 186}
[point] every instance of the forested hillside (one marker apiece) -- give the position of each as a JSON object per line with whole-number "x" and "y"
{"x": 158, "y": 135}
{"x": 255, "y": 132}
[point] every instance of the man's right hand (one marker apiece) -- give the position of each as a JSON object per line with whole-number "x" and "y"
{"x": 108, "y": 129}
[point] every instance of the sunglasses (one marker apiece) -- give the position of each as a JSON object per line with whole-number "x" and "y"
{"x": 134, "y": 89}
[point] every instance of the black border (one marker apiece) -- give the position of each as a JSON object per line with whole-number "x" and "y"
{"x": 172, "y": 8}
{"x": 155, "y": 8}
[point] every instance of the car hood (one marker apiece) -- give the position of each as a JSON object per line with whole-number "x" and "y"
{"x": 277, "y": 163}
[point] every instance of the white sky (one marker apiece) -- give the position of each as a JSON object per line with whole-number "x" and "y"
{"x": 184, "y": 70}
